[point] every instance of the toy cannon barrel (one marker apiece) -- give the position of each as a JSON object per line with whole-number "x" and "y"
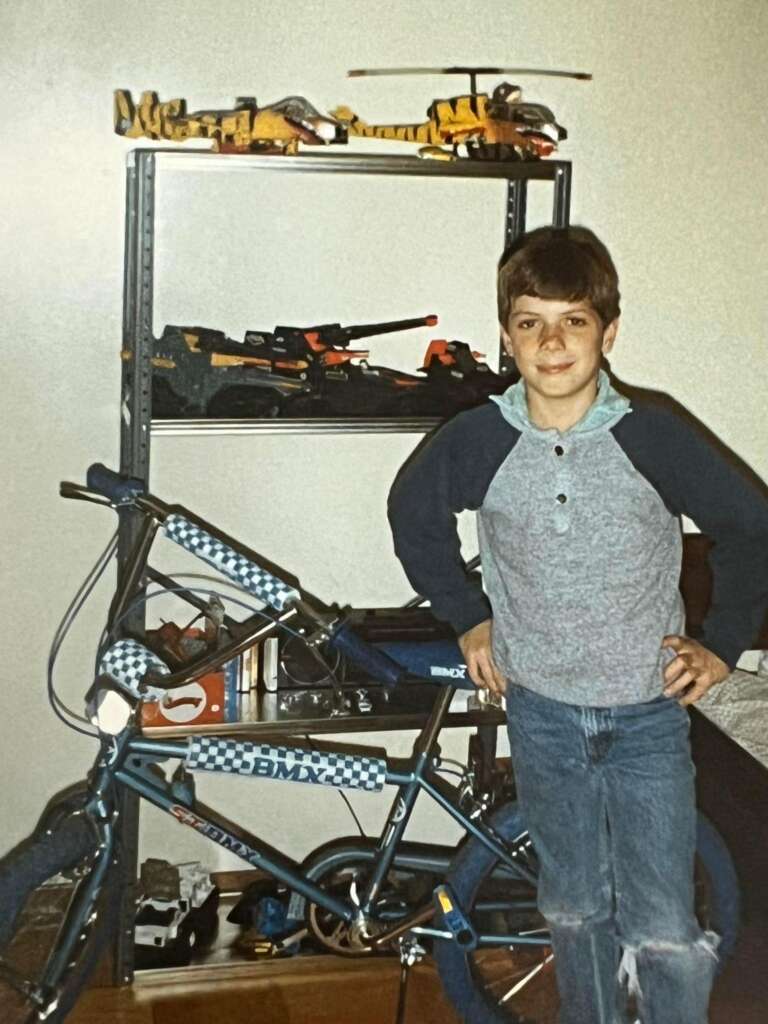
{"x": 335, "y": 334}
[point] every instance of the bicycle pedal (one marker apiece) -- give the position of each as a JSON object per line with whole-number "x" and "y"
{"x": 454, "y": 918}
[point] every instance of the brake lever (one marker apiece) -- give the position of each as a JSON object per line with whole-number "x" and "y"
{"x": 79, "y": 493}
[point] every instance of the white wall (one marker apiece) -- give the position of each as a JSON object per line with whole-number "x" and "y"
{"x": 669, "y": 147}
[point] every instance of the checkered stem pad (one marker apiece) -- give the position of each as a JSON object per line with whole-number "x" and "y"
{"x": 128, "y": 661}
{"x": 343, "y": 771}
{"x": 247, "y": 574}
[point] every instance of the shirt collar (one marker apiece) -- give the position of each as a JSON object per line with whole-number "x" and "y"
{"x": 606, "y": 410}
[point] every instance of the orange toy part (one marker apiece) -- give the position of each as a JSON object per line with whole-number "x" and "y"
{"x": 437, "y": 349}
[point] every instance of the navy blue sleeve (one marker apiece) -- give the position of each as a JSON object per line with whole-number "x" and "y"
{"x": 449, "y": 474}
{"x": 699, "y": 478}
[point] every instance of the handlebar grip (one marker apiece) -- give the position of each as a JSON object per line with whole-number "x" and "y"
{"x": 380, "y": 666}
{"x": 111, "y": 485}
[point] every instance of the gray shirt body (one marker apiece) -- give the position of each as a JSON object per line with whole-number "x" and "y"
{"x": 581, "y": 562}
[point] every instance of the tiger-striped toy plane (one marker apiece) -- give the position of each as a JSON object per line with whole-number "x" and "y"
{"x": 498, "y": 126}
{"x": 246, "y": 128}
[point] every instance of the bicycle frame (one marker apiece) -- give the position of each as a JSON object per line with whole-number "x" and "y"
{"x": 130, "y": 762}
{"x": 127, "y": 762}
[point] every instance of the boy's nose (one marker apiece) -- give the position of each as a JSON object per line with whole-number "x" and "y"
{"x": 552, "y": 338}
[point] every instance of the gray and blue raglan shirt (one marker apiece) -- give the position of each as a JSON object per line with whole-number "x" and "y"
{"x": 580, "y": 540}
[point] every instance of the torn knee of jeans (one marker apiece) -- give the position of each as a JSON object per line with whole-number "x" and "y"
{"x": 628, "y": 971}
{"x": 706, "y": 944}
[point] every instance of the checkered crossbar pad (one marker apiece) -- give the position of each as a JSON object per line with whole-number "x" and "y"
{"x": 256, "y": 581}
{"x": 284, "y": 763}
{"x": 128, "y": 661}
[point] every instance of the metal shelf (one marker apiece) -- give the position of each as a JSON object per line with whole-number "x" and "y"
{"x": 142, "y": 169}
{"x": 266, "y": 720}
{"x": 356, "y": 163}
{"x": 217, "y": 428}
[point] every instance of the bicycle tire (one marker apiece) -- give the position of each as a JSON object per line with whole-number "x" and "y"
{"x": 722, "y": 887}
{"x": 467, "y": 979}
{"x": 38, "y": 879}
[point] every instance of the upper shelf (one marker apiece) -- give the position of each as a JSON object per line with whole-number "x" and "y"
{"x": 356, "y": 163}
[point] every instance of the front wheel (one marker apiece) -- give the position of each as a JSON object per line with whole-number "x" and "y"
{"x": 40, "y": 880}
{"x": 513, "y": 983}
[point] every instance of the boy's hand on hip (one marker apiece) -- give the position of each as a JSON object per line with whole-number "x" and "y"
{"x": 693, "y": 671}
{"x": 475, "y": 645}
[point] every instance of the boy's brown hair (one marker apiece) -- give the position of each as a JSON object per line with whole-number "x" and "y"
{"x": 559, "y": 263}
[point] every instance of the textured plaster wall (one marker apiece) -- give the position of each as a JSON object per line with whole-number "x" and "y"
{"x": 669, "y": 148}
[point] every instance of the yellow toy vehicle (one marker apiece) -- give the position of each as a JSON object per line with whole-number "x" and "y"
{"x": 246, "y": 128}
{"x": 490, "y": 127}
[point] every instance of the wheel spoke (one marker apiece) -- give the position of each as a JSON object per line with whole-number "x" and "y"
{"x": 524, "y": 981}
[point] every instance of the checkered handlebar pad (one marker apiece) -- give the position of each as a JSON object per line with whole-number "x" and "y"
{"x": 249, "y": 576}
{"x": 128, "y": 661}
{"x": 343, "y": 771}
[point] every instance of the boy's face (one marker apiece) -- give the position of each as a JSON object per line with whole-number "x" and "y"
{"x": 557, "y": 345}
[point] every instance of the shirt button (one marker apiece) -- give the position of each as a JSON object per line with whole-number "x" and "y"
{"x": 559, "y": 450}
{"x": 562, "y": 499}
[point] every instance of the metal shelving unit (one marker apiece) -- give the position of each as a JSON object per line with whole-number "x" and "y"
{"x": 137, "y": 426}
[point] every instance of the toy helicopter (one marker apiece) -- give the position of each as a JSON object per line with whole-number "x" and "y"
{"x": 246, "y": 128}
{"x": 498, "y": 126}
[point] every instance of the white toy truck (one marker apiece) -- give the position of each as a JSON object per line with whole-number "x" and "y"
{"x": 177, "y": 912}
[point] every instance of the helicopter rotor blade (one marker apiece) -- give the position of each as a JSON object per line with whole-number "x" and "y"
{"x": 583, "y": 76}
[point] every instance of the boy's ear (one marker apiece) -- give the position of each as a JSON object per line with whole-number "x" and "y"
{"x": 506, "y": 340}
{"x": 609, "y": 335}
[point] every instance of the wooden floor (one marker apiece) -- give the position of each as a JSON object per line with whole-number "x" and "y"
{"x": 733, "y": 790}
{"x": 306, "y": 990}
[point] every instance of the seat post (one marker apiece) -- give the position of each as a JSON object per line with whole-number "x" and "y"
{"x": 431, "y": 729}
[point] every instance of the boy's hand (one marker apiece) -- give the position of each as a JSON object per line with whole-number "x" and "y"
{"x": 475, "y": 645}
{"x": 693, "y": 671}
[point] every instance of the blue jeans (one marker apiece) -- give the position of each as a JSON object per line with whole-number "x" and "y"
{"x": 608, "y": 797}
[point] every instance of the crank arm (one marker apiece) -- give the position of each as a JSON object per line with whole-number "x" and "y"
{"x": 426, "y": 913}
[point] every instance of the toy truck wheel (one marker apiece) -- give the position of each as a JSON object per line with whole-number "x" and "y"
{"x": 175, "y": 953}
{"x": 243, "y": 402}
{"x": 168, "y": 405}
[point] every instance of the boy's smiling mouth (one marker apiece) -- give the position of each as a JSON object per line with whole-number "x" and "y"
{"x": 554, "y": 368}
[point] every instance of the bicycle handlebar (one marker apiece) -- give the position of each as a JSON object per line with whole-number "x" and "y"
{"x": 238, "y": 565}
{"x": 111, "y": 485}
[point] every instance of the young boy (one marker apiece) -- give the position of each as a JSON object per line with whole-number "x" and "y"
{"x": 579, "y": 494}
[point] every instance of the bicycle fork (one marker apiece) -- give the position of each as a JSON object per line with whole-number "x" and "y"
{"x": 82, "y": 913}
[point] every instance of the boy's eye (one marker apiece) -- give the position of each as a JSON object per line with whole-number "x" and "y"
{"x": 577, "y": 321}
{"x": 525, "y": 325}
